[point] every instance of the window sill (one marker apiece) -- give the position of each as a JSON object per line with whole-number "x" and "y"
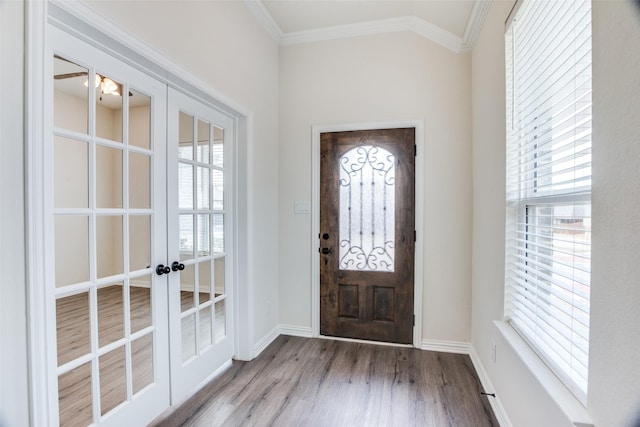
{"x": 566, "y": 401}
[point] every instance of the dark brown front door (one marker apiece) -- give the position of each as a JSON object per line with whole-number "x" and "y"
{"x": 367, "y": 223}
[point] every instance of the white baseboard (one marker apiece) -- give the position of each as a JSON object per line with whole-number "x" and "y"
{"x": 459, "y": 347}
{"x": 265, "y": 341}
{"x": 296, "y": 331}
{"x": 495, "y": 402}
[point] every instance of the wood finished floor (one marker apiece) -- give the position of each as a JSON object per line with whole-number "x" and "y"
{"x": 318, "y": 382}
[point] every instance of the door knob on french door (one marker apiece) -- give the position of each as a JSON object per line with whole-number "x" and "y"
{"x": 175, "y": 266}
{"x": 162, "y": 269}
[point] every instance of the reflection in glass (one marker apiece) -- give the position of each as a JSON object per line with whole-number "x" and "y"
{"x": 218, "y": 233}
{"x": 75, "y": 397}
{"x": 142, "y": 362}
{"x": 202, "y": 154}
{"x": 185, "y": 136}
{"x": 108, "y": 177}
{"x": 139, "y": 119}
{"x": 218, "y": 276}
{"x": 71, "y": 249}
{"x": 203, "y": 188}
{"x": 204, "y": 233}
{"x": 72, "y": 327}
{"x": 187, "y": 286}
{"x": 113, "y": 379}
{"x": 185, "y": 186}
{"x": 70, "y": 173}
{"x": 70, "y": 96}
{"x": 139, "y": 242}
{"x": 188, "y": 337}
{"x": 109, "y": 245}
{"x": 218, "y": 189}
{"x": 204, "y": 281}
{"x": 220, "y": 323}
{"x": 186, "y": 236}
{"x": 205, "y": 327}
{"x": 218, "y": 147}
{"x": 108, "y": 108}
{"x": 110, "y": 314}
{"x": 139, "y": 181}
{"x": 140, "y": 303}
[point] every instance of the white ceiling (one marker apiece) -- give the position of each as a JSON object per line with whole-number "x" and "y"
{"x": 452, "y": 23}
{"x": 304, "y": 15}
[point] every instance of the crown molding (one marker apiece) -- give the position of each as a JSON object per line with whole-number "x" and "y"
{"x": 474, "y": 25}
{"x": 407, "y": 23}
{"x": 264, "y": 17}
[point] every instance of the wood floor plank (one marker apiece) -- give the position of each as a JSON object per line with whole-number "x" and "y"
{"x": 326, "y": 383}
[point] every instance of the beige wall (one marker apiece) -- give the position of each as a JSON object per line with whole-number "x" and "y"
{"x": 614, "y": 368}
{"x": 614, "y": 371}
{"x": 397, "y": 76}
{"x": 221, "y": 43}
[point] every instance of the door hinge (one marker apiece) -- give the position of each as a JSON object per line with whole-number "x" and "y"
{"x": 414, "y": 320}
{"x": 415, "y": 236}
{"x": 415, "y": 150}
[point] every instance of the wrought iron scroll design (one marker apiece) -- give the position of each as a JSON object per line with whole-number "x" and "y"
{"x": 367, "y": 214}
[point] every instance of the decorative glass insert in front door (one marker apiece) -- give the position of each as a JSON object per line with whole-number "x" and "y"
{"x": 367, "y": 209}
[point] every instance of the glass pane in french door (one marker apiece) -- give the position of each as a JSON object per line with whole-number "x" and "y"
{"x": 198, "y": 218}
{"x": 199, "y": 183}
{"x": 104, "y": 221}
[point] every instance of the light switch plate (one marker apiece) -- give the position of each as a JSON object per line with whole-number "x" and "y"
{"x": 302, "y": 207}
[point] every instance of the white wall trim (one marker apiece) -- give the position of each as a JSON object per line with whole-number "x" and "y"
{"x": 40, "y": 387}
{"x": 261, "y": 13}
{"x": 406, "y": 23}
{"x": 316, "y": 130}
{"x": 296, "y": 331}
{"x": 474, "y": 25}
{"x": 495, "y": 402}
{"x": 459, "y": 347}
{"x": 266, "y": 340}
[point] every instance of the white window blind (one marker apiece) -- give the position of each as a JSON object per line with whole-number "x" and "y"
{"x": 548, "y": 236}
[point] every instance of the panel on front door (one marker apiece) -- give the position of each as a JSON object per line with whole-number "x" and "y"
{"x": 199, "y": 219}
{"x": 106, "y": 229}
{"x": 367, "y": 221}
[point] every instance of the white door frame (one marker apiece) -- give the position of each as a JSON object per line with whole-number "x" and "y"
{"x": 84, "y": 23}
{"x": 316, "y": 130}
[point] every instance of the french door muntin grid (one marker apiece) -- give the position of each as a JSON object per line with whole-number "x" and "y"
{"x": 92, "y": 215}
{"x": 206, "y": 178}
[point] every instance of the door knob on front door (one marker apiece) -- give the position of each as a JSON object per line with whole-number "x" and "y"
{"x": 175, "y": 266}
{"x": 162, "y": 269}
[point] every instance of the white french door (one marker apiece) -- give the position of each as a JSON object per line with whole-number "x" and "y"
{"x": 199, "y": 222}
{"x": 108, "y": 334}
{"x": 137, "y": 236}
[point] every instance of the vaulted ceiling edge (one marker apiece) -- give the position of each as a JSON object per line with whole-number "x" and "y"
{"x": 408, "y": 23}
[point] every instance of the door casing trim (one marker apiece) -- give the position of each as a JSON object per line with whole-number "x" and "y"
{"x": 316, "y": 130}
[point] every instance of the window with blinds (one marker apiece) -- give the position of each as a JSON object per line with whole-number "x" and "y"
{"x": 548, "y": 235}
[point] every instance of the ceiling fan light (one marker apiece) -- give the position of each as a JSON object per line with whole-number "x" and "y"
{"x": 108, "y": 86}
{"x": 97, "y": 81}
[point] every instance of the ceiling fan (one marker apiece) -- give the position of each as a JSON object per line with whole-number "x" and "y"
{"x": 107, "y": 86}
